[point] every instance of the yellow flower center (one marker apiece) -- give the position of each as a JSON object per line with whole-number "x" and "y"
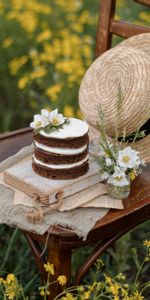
{"x": 132, "y": 175}
{"x": 118, "y": 178}
{"x": 126, "y": 159}
{"x": 55, "y": 121}
{"x": 38, "y": 123}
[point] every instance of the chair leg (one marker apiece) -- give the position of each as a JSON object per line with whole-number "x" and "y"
{"x": 55, "y": 254}
{"x": 36, "y": 250}
{"x": 61, "y": 258}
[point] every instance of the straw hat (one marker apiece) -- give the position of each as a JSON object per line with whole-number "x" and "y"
{"x": 128, "y": 68}
{"x": 139, "y": 41}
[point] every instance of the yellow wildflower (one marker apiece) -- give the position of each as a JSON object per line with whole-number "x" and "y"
{"x": 62, "y": 279}
{"x": 44, "y": 35}
{"x": 16, "y": 63}
{"x": 63, "y": 66}
{"x": 1, "y": 7}
{"x": 145, "y": 16}
{"x": 80, "y": 289}
{"x": 137, "y": 296}
{"x": 77, "y": 27}
{"x": 87, "y": 295}
{"x": 22, "y": 82}
{"x": 33, "y": 53}
{"x": 49, "y": 268}
{"x": 17, "y": 4}
{"x": 46, "y": 57}
{"x": 146, "y": 243}
{"x": 132, "y": 175}
{"x": 13, "y": 289}
{"x": 53, "y": 91}
{"x": 38, "y": 73}
{"x": 108, "y": 279}
{"x": 38, "y": 7}
{"x": 87, "y": 51}
{"x": 68, "y": 296}
{"x": 84, "y": 17}
{"x": 7, "y": 42}
{"x": 68, "y": 111}
{"x": 114, "y": 287}
{"x": 10, "y": 278}
{"x": 44, "y": 291}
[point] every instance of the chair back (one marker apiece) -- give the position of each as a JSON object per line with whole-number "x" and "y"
{"x": 107, "y": 25}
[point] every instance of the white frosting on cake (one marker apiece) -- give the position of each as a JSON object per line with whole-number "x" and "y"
{"x": 76, "y": 128}
{"x": 63, "y": 151}
{"x": 64, "y": 166}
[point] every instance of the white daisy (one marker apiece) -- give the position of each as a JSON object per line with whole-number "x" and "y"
{"x": 128, "y": 158}
{"x": 38, "y": 122}
{"x": 45, "y": 113}
{"x": 118, "y": 178}
{"x": 55, "y": 118}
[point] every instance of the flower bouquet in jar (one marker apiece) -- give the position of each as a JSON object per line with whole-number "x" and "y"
{"x": 117, "y": 161}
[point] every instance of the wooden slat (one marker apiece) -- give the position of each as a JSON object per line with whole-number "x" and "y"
{"x": 12, "y": 142}
{"x": 103, "y": 35}
{"x": 3, "y": 136}
{"x": 144, "y": 2}
{"x": 126, "y": 29}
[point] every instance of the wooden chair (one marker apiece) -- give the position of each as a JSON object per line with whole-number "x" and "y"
{"x": 60, "y": 241}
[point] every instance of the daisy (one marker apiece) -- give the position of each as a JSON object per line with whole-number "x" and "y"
{"x": 38, "y": 122}
{"x": 128, "y": 158}
{"x": 55, "y": 118}
{"x": 118, "y": 178}
{"x": 45, "y": 113}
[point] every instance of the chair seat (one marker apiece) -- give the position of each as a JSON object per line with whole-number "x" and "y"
{"x": 61, "y": 241}
{"x": 137, "y": 205}
{"x": 137, "y": 210}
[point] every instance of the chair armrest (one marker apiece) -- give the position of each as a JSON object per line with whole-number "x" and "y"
{"x": 12, "y": 142}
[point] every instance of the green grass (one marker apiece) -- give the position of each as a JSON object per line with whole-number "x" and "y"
{"x": 15, "y": 257}
{"x": 17, "y": 105}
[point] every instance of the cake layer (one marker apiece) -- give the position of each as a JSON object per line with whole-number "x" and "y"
{"x": 62, "y": 151}
{"x": 62, "y": 143}
{"x": 61, "y": 174}
{"x": 75, "y": 128}
{"x": 60, "y": 166}
{"x": 57, "y": 159}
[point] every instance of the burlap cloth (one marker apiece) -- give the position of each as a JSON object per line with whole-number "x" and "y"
{"x": 80, "y": 220}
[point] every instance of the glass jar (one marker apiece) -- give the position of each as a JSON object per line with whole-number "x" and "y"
{"x": 118, "y": 192}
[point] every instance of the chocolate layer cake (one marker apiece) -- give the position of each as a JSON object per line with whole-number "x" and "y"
{"x": 62, "y": 154}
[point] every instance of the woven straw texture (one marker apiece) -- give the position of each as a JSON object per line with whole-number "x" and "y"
{"x": 140, "y": 41}
{"x": 127, "y": 65}
{"x": 128, "y": 68}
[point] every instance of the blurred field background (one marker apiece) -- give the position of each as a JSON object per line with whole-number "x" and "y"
{"x": 46, "y": 47}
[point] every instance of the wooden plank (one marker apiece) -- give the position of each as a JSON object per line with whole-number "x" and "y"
{"x": 103, "y": 35}
{"x": 12, "y": 142}
{"x": 127, "y": 29}
{"x": 15, "y": 133}
{"x": 144, "y": 2}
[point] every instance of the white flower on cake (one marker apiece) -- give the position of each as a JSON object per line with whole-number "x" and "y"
{"x": 118, "y": 178}
{"x": 45, "y": 113}
{"x": 38, "y": 122}
{"x": 128, "y": 158}
{"x": 48, "y": 121}
{"x": 55, "y": 118}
